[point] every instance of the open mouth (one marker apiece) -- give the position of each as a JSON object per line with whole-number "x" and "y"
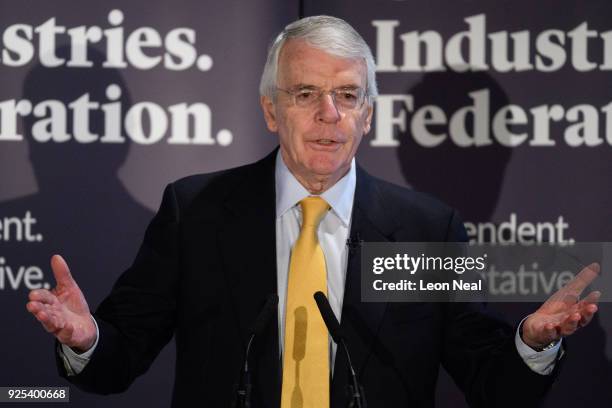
{"x": 325, "y": 145}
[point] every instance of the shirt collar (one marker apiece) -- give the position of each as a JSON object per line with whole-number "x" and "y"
{"x": 290, "y": 192}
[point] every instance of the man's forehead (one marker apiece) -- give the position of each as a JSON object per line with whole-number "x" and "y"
{"x": 301, "y": 62}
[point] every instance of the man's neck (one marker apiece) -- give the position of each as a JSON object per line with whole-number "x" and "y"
{"x": 317, "y": 184}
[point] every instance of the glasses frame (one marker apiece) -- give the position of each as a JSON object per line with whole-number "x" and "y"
{"x": 322, "y": 92}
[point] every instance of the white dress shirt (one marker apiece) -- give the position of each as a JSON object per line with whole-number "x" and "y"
{"x": 332, "y": 233}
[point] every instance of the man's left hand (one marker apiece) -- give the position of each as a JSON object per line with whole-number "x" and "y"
{"x": 563, "y": 313}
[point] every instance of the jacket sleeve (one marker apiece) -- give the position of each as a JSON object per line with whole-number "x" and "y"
{"x": 480, "y": 354}
{"x": 138, "y": 318}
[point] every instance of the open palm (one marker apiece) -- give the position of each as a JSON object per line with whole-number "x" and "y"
{"x": 563, "y": 313}
{"x": 63, "y": 310}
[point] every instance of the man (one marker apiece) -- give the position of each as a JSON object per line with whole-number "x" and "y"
{"x": 222, "y": 242}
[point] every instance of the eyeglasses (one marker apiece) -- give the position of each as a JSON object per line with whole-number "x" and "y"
{"x": 344, "y": 98}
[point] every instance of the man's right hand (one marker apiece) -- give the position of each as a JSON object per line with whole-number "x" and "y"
{"x": 63, "y": 310}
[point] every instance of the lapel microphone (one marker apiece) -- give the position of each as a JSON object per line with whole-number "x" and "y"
{"x": 357, "y": 396}
{"x": 353, "y": 243}
{"x": 242, "y": 397}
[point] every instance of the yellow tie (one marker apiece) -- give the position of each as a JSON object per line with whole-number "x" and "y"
{"x": 306, "y": 350}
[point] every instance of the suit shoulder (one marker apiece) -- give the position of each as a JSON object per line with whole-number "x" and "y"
{"x": 207, "y": 188}
{"x": 218, "y": 180}
{"x": 418, "y": 216}
{"x": 400, "y": 199}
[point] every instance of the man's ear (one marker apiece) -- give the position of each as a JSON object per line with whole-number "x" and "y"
{"x": 368, "y": 119}
{"x": 269, "y": 113}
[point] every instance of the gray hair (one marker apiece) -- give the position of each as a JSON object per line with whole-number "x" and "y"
{"x": 329, "y": 34}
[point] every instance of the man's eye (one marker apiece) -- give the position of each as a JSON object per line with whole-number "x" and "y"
{"x": 347, "y": 95}
{"x": 305, "y": 95}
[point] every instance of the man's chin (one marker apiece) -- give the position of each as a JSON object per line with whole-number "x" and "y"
{"x": 327, "y": 169}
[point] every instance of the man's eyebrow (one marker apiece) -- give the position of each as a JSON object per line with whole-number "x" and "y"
{"x": 348, "y": 86}
{"x": 310, "y": 86}
{"x": 304, "y": 86}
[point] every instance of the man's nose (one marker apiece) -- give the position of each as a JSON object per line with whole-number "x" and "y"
{"x": 327, "y": 110}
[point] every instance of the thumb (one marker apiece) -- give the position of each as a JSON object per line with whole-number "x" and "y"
{"x": 61, "y": 272}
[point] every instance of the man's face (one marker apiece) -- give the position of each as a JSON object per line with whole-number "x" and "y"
{"x": 319, "y": 141}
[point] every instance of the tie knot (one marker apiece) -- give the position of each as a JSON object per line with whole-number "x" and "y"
{"x": 313, "y": 210}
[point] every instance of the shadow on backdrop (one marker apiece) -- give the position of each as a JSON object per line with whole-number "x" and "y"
{"x": 467, "y": 178}
{"x": 83, "y": 212}
{"x": 471, "y": 179}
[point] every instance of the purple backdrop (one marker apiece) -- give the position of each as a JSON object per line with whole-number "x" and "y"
{"x": 501, "y": 109}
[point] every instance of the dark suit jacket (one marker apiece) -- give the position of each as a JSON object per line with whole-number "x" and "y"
{"x": 208, "y": 262}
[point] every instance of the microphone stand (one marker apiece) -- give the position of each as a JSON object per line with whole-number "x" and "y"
{"x": 243, "y": 392}
{"x": 354, "y": 390}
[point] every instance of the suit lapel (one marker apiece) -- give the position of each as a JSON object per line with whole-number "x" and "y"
{"x": 360, "y": 321}
{"x": 249, "y": 253}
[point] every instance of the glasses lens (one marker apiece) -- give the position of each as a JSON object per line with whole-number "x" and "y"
{"x": 348, "y": 98}
{"x": 306, "y": 97}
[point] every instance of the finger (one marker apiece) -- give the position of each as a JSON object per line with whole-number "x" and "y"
{"x": 58, "y": 321}
{"x": 592, "y": 298}
{"x": 42, "y": 296}
{"x": 570, "y": 298}
{"x": 587, "y": 315}
{"x": 570, "y": 325}
{"x": 34, "y": 307}
{"x": 61, "y": 271}
{"x": 46, "y": 321}
{"x": 588, "y": 308}
{"x": 583, "y": 279}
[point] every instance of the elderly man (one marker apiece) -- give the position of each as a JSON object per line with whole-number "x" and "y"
{"x": 222, "y": 242}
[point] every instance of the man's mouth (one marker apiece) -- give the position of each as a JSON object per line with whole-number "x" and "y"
{"x": 325, "y": 141}
{"x": 326, "y": 145}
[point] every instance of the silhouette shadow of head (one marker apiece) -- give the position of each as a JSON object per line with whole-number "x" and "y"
{"x": 67, "y": 122}
{"x": 82, "y": 207}
{"x": 467, "y": 178}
